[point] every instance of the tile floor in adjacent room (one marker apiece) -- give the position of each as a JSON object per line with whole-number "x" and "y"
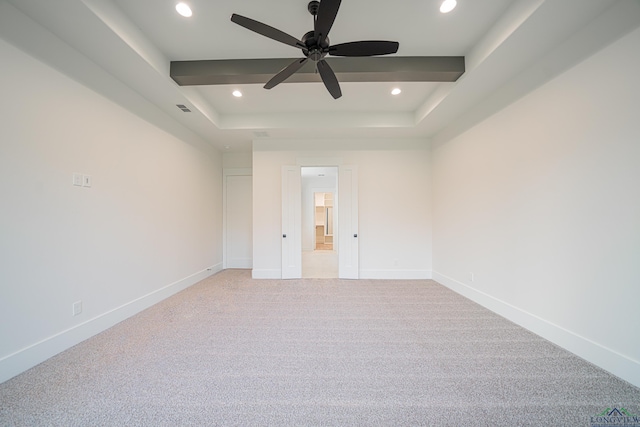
{"x": 319, "y": 264}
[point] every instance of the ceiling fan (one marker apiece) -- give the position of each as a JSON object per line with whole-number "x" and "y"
{"x": 315, "y": 44}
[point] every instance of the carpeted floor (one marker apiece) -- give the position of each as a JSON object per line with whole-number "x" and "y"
{"x": 232, "y": 351}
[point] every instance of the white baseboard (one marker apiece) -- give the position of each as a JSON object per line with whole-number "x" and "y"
{"x": 606, "y": 358}
{"x": 241, "y": 263}
{"x": 364, "y": 274}
{"x": 257, "y": 273}
{"x": 36, "y": 353}
{"x": 396, "y": 274}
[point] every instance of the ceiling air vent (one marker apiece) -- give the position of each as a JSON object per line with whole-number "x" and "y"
{"x": 183, "y": 108}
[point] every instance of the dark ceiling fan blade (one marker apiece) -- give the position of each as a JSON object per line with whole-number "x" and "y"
{"x": 267, "y": 31}
{"x": 285, "y": 73}
{"x": 329, "y": 79}
{"x": 324, "y": 20}
{"x": 364, "y": 48}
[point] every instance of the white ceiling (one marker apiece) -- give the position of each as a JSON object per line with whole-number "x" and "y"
{"x": 115, "y": 46}
{"x": 209, "y": 33}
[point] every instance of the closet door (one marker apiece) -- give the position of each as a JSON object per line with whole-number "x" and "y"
{"x": 239, "y": 221}
{"x": 348, "y": 246}
{"x": 291, "y": 222}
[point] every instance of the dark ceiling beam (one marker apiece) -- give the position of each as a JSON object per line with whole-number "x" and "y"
{"x": 352, "y": 69}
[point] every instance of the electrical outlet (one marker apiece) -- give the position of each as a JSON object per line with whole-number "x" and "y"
{"x": 77, "y": 179}
{"x": 77, "y": 308}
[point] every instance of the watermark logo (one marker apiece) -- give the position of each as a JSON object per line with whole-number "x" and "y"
{"x": 619, "y": 417}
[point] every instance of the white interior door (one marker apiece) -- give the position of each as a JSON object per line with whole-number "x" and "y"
{"x": 348, "y": 222}
{"x": 291, "y": 222}
{"x": 239, "y": 222}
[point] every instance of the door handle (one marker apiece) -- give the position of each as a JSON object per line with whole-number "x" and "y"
{"x": 355, "y": 235}
{"x": 284, "y": 236}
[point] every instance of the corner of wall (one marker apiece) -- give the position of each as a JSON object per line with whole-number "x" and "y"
{"x": 606, "y": 358}
{"x": 26, "y": 358}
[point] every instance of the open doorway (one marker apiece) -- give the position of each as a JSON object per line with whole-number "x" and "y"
{"x": 319, "y": 220}
{"x": 323, "y": 221}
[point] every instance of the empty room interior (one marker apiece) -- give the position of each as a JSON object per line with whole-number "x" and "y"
{"x": 141, "y": 156}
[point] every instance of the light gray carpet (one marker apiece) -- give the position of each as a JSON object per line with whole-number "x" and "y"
{"x": 232, "y": 351}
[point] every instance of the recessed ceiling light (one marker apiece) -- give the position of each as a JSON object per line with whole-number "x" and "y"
{"x": 447, "y": 6}
{"x": 396, "y": 91}
{"x": 184, "y": 10}
{"x": 237, "y": 93}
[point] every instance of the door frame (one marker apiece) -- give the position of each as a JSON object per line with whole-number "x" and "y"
{"x": 352, "y": 271}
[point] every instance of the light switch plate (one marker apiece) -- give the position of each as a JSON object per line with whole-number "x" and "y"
{"x": 86, "y": 180}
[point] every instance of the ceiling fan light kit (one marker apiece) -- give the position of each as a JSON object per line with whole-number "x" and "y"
{"x": 315, "y": 44}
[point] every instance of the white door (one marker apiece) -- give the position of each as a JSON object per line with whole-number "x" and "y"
{"x": 291, "y": 222}
{"x": 239, "y": 222}
{"x": 348, "y": 222}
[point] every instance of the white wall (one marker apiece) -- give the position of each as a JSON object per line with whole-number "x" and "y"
{"x": 237, "y": 160}
{"x": 149, "y": 226}
{"x": 394, "y": 205}
{"x": 541, "y": 202}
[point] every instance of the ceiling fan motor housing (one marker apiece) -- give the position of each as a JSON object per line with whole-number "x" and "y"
{"x": 315, "y": 51}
